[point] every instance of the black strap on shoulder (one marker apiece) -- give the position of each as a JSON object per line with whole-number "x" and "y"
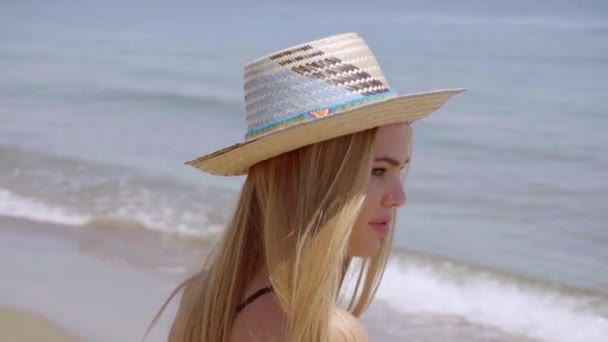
{"x": 253, "y": 297}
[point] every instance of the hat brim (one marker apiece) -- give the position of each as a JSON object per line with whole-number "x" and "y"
{"x": 235, "y": 160}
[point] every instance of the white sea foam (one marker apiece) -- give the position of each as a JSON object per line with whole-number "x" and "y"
{"x": 19, "y": 206}
{"x": 155, "y": 219}
{"x": 544, "y": 314}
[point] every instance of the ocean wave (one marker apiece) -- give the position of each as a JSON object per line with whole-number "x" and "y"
{"x": 84, "y": 193}
{"x": 537, "y": 311}
{"x": 18, "y": 206}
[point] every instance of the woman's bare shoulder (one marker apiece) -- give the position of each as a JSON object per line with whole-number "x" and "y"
{"x": 346, "y": 328}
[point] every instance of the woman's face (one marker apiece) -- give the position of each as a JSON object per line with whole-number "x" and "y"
{"x": 385, "y": 191}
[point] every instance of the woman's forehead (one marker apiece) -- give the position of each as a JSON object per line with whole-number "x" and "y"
{"x": 393, "y": 141}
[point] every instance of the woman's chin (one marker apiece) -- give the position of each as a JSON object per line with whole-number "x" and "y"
{"x": 371, "y": 249}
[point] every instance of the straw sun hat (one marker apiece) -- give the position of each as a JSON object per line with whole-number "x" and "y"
{"x": 314, "y": 92}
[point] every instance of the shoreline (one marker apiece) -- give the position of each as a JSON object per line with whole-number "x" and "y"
{"x": 107, "y": 285}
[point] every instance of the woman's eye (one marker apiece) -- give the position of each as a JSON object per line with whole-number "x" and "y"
{"x": 379, "y": 171}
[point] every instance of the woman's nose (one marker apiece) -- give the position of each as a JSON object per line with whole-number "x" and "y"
{"x": 395, "y": 198}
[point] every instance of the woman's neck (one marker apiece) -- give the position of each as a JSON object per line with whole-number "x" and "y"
{"x": 260, "y": 279}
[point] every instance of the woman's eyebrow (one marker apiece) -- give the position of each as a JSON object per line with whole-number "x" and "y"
{"x": 392, "y": 161}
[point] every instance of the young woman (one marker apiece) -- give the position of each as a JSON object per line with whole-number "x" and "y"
{"x": 325, "y": 155}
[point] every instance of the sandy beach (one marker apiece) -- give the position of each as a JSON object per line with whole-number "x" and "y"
{"x": 69, "y": 285}
{"x": 19, "y": 325}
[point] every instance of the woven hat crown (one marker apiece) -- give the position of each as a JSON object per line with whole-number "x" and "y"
{"x": 313, "y": 92}
{"x": 311, "y": 81}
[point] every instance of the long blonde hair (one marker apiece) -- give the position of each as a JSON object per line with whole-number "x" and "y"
{"x": 295, "y": 213}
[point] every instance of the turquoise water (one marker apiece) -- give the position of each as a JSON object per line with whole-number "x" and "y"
{"x": 102, "y": 102}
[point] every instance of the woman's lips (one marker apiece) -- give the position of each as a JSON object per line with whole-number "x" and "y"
{"x": 381, "y": 225}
